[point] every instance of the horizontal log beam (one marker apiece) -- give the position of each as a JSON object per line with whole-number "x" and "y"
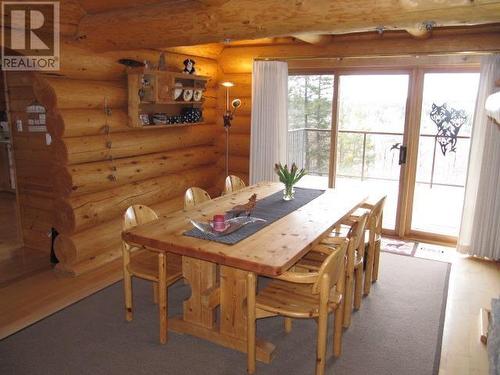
{"x": 239, "y": 144}
{"x": 78, "y": 150}
{"x": 145, "y": 26}
{"x": 81, "y": 212}
{"x": 80, "y": 63}
{"x": 239, "y": 60}
{"x": 92, "y": 248}
{"x": 314, "y": 38}
{"x": 62, "y": 93}
{"x": 238, "y": 164}
{"x": 84, "y": 122}
{"x": 98, "y": 176}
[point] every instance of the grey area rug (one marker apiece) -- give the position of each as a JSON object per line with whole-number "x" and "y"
{"x": 397, "y": 331}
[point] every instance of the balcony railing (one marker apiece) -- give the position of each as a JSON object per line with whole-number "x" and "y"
{"x": 310, "y": 149}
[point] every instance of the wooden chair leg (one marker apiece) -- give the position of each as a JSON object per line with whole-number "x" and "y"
{"x": 370, "y": 254}
{"x": 251, "y": 355}
{"x": 162, "y": 296}
{"x": 288, "y": 325}
{"x": 155, "y": 293}
{"x": 127, "y": 287}
{"x": 337, "y": 331}
{"x": 348, "y": 291}
{"x": 358, "y": 287}
{"x": 376, "y": 259}
{"x": 322, "y": 328}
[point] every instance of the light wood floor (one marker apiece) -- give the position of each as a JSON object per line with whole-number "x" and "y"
{"x": 29, "y": 288}
{"x": 472, "y": 285}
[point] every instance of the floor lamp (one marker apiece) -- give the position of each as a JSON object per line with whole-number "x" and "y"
{"x": 228, "y": 117}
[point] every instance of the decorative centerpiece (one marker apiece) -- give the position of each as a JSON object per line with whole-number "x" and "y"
{"x": 289, "y": 178}
{"x": 222, "y": 227}
{"x": 231, "y": 221}
{"x": 246, "y": 208}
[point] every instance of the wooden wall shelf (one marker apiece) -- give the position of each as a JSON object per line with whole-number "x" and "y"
{"x": 153, "y": 91}
{"x": 172, "y": 125}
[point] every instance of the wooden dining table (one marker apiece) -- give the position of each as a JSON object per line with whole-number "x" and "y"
{"x": 217, "y": 272}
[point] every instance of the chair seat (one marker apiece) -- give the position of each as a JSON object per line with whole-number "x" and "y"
{"x": 144, "y": 264}
{"x": 313, "y": 260}
{"x": 360, "y": 212}
{"x": 293, "y": 300}
{"x": 344, "y": 230}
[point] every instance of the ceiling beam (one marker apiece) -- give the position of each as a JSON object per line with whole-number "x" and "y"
{"x": 313, "y": 38}
{"x": 433, "y": 4}
{"x": 187, "y": 23}
{"x": 212, "y": 2}
{"x": 392, "y": 43}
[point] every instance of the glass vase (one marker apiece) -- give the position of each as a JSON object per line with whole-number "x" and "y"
{"x": 288, "y": 193}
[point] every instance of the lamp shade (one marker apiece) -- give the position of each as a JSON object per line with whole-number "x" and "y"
{"x": 492, "y": 106}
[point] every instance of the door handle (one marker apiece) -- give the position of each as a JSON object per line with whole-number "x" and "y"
{"x": 402, "y": 155}
{"x": 402, "y": 152}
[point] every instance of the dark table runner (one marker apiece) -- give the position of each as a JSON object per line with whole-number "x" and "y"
{"x": 270, "y": 208}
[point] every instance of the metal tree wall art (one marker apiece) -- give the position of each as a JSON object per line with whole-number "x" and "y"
{"x": 448, "y": 121}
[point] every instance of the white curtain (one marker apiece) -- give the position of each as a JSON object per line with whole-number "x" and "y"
{"x": 480, "y": 228}
{"x": 268, "y": 139}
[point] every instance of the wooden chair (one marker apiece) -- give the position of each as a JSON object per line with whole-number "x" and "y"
{"x": 146, "y": 265}
{"x": 194, "y": 196}
{"x": 303, "y": 295}
{"x": 373, "y": 235}
{"x": 233, "y": 183}
{"x": 354, "y": 264}
{"x": 374, "y": 227}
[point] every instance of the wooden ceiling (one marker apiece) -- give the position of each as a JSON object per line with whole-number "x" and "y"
{"x": 131, "y": 24}
{"x": 127, "y": 24}
{"x": 99, "y": 6}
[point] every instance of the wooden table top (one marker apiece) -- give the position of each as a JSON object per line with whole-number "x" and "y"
{"x": 270, "y": 251}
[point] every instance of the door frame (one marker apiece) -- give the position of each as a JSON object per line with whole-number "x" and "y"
{"x": 411, "y": 136}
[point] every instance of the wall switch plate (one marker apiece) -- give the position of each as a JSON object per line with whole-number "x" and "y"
{"x": 19, "y": 125}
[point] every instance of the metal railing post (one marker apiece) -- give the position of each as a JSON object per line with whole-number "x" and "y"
{"x": 363, "y": 158}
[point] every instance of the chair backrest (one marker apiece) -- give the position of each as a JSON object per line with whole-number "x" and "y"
{"x": 356, "y": 234}
{"x": 136, "y": 215}
{"x": 194, "y": 196}
{"x": 233, "y": 183}
{"x": 376, "y": 216}
{"x": 332, "y": 265}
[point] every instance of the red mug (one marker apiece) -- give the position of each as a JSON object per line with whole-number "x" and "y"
{"x": 219, "y": 223}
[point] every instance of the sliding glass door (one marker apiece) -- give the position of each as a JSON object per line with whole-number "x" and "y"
{"x": 353, "y": 129}
{"x": 448, "y": 104}
{"x": 371, "y": 126}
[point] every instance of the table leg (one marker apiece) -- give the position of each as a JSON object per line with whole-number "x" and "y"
{"x": 233, "y": 285}
{"x": 251, "y": 289}
{"x": 198, "y": 315}
{"x": 162, "y": 297}
{"x": 201, "y": 276}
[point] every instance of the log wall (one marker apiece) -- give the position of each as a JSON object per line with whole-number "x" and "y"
{"x": 97, "y": 165}
{"x": 32, "y": 158}
{"x": 4, "y": 158}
